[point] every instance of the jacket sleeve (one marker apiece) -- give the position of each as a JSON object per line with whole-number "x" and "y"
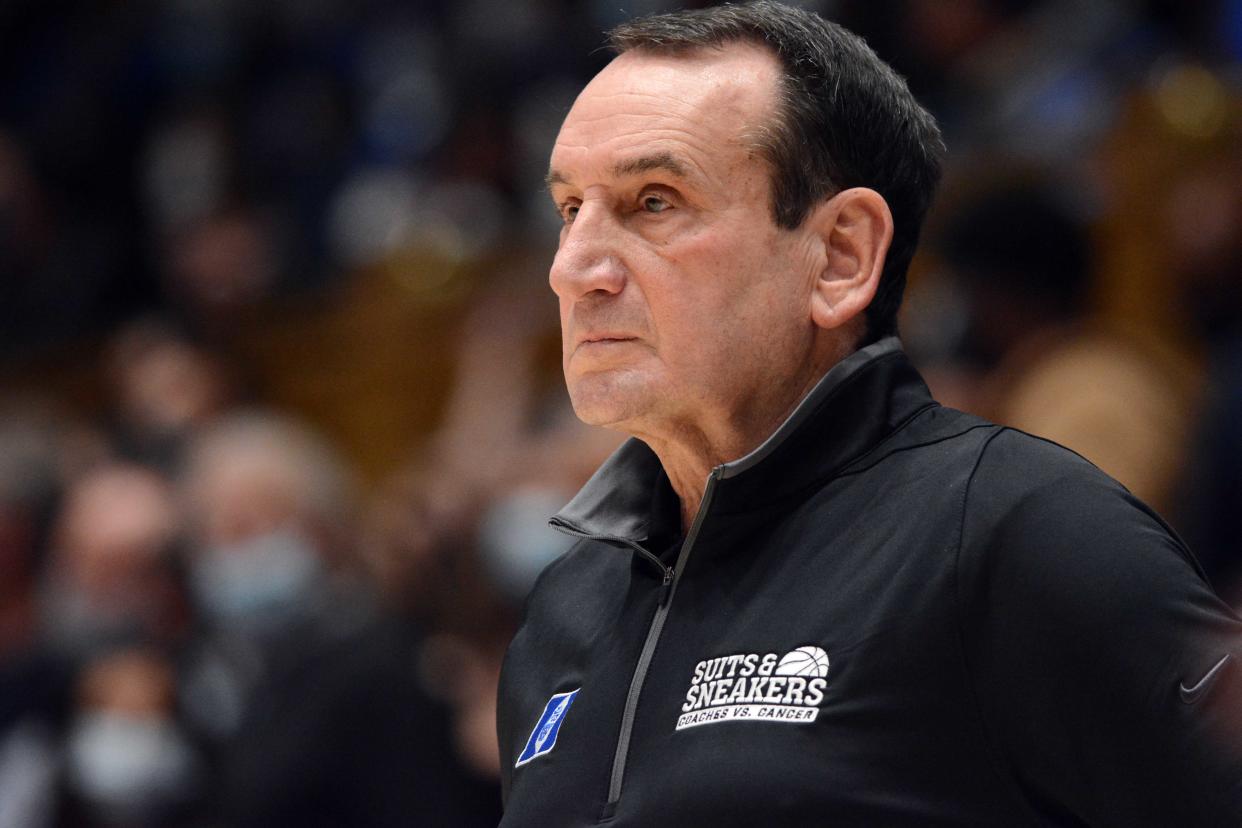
{"x": 1107, "y": 673}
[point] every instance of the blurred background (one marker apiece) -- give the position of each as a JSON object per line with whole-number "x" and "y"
{"x": 281, "y": 418}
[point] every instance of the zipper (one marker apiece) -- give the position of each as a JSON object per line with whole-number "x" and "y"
{"x": 564, "y": 526}
{"x": 670, "y": 578}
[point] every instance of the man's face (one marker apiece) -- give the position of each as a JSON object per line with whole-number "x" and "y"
{"x": 681, "y": 301}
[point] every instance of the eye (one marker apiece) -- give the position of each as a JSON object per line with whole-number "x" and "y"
{"x": 568, "y": 211}
{"x": 654, "y": 203}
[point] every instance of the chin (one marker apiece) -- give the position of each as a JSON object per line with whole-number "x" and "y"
{"x": 599, "y": 412}
{"x": 600, "y": 400}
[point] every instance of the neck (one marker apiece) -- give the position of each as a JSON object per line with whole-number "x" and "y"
{"x": 688, "y": 463}
{"x": 689, "y": 451}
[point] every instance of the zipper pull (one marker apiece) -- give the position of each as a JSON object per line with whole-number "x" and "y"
{"x": 667, "y": 589}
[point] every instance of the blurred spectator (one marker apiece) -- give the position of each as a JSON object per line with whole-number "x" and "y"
{"x": 516, "y": 541}
{"x": 128, "y": 762}
{"x": 1012, "y": 266}
{"x": 1023, "y": 257}
{"x": 220, "y": 266}
{"x": 1031, "y": 356}
{"x": 1112, "y": 401}
{"x": 33, "y": 684}
{"x": 111, "y": 576}
{"x": 417, "y": 545}
{"x": 421, "y": 542}
{"x": 313, "y": 700}
{"x": 165, "y": 389}
{"x": 30, "y": 479}
{"x": 110, "y": 581}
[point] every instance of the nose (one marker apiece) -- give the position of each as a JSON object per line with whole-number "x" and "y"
{"x": 589, "y": 256}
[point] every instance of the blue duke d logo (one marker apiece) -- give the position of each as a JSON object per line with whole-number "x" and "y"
{"x": 543, "y": 737}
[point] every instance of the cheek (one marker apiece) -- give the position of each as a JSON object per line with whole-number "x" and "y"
{"x": 711, "y": 255}
{"x": 736, "y": 275}
{"x": 745, "y": 310}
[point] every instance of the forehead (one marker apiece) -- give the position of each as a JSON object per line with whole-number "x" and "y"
{"x": 703, "y": 107}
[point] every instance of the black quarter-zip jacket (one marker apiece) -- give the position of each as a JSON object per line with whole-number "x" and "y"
{"x": 890, "y": 613}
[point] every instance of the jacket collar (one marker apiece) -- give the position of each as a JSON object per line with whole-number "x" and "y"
{"x": 859, "y": 402}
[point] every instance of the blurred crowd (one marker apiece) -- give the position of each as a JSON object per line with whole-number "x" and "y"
{"x": 281, "y": 419}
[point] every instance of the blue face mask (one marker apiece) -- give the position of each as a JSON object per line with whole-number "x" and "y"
{"x": 258, "y": 583}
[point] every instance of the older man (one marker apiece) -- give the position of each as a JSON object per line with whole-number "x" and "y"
{"x": 806, "y": 594}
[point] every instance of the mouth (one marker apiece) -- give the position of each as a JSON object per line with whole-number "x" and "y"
{"x": 603, "y": 339}
{"x": 598, "y": 347}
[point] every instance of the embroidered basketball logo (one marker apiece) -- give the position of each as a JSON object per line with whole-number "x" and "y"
{"x": 804, "y": 661}
{"x": 757, "y": 687}
{"x": 543, "y": 737}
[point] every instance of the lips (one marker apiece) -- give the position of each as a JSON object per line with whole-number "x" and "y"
{"x": 601, "y": 349}
{"x": 603, "y": 338}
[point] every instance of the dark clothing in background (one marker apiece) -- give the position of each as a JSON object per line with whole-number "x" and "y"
{"x": 1212, "y": 506}
{"x": 341, "y": 731}
{"x": 960, "y": 625}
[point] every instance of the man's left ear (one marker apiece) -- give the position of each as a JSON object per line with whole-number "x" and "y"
{"x": 856, "y": 228}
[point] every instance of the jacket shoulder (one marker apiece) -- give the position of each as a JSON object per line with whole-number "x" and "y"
{"x": 1081, "y": 610}
{"x": 955, "y": 437}
{"x": 1030, "y": 497}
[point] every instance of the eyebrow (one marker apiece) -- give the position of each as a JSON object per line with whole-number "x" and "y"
{"x": 658, "y": 161}
{"x": 553, "y": 178}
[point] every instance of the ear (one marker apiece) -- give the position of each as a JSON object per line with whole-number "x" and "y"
{"x": 856, "y": 228}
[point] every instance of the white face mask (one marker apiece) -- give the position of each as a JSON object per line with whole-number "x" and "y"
{"x": 259, "y": 582}
{"x": 516, "y": 541}
{"x": 130, "y": 765}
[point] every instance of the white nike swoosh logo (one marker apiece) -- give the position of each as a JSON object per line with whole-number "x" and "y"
{"x": 1192, "y": 694}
